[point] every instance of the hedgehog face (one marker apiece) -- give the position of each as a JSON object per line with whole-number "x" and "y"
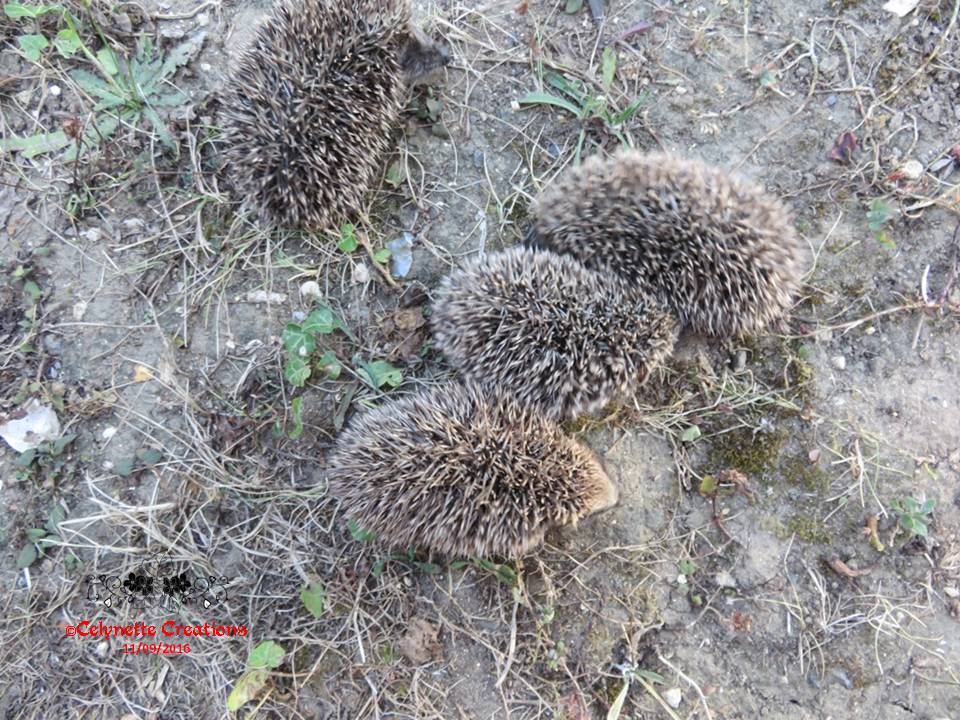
{"x": 421, "y": 58}
{"x": 598, "y": 491}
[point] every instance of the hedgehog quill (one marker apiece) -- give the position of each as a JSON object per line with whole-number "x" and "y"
{"x": 464, "y": 471}
{"x": 555, "y": 334}
{"x": 310, "y": 108}
{"x": 717, "y": 250}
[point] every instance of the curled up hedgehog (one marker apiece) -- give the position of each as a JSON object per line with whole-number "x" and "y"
{"x": 464, "y": 471}
{"x": 719, "y": 251}
{"x": 551, "y": 332}
{"x": 312, "y": 103}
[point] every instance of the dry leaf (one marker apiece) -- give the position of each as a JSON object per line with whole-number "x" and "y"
{"x": 141, "y": 373}
{"x": 421, "y": 643}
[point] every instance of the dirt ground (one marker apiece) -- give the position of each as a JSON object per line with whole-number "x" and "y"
{"x": 738, "y": 577}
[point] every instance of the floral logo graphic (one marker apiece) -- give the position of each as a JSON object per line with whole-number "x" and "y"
{"x": 157, "y": 583}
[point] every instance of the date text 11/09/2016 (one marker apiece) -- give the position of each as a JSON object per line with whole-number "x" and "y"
{"x": 156, "y": 649}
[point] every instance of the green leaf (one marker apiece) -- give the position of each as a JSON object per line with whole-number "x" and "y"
{"x": 298, "y": 341}
{"x": 329, "y": 364}
{"x": 267, "y": 655}
{"x": 32, "y": 46}
{"x": 314, "y": 597}
{"x": 609, "y": 66}
{"x": 296, "y": 371}
{"x": 34, "y": 534}
{"x": 358, "y": 533}
{"x": 381, "y": 256}
{"x": 35, "y": 144}
{"x": 124, "y": 467}
{"x": 378, "y": 567}
{"x": 379, "y": 373}
{"x": 321, "y": 321}
{"x": 95, "y": 86}
{"x": 26, "y": 458}
{"x": 107, "y": 60}
{"x": 296, "y": 408}
{"x": 149, "y": 456}
{"x": 348, "y": 238}
{"x": 28, "y": 555}
{"x": 160, "y": 126}
{"x": 617, "y": 706}
{"x": 542, "y": 98}
{"x": 18, "y": 10}
{"x": 573, "y": 6}
{"x": 395, "y": 174}
{"x": 768, "y": 78}
{"x": 883, "y": 239}
{"x": 686, "y": 567}
{"x": 32, "y": 290}
{"x": 171, "y": 99}
{"x": 621, "y": 118}
{"x": 180, "y": 56}
{"x": 60, "y": 444}
{"x": 691, "y": 434}
{"x": 428, "y": 567}
{"x": 67, "y": 42}
{"x": 928, "y": 506}
{"x": 878, "y": 214}
{"x": 247, "y": 688}
{"x": 57, "y": 516}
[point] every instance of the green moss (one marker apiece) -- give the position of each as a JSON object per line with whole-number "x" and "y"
{"x": 749, "y": 452}
{"x": 808, "y": 528}
{"x": 797, "y": 470}
{"x": 520, "y": 212}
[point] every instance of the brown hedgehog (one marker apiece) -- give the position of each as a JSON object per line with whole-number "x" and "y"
{"x": 549, "y": 331}
{"x": 464, "y": 471}
{"x": 311, "y": 106}
{"x": 719, "y": 251}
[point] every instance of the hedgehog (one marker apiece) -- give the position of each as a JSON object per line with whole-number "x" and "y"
{"x": 557, "y": 335}
{"x": 310, "y": 107}
{"x": 462, "y": 470}
{"x": 717, "y": 250}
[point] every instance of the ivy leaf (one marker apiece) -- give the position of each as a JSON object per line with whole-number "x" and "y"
{"x": 296, "y": 371}
{"x": 124, "y": 467}
{"x": 314, "y": 597}
{"x": 67, "y": 42}
{"x": 321, "y": 321}
{"x": 379, "y": 373}
{"x": 32, "y": 46}
{"x": 395, "y": 174}
{"x": 381, "y": 256}
{"x": 329, "y": 364}
{"x": 348, "y": 238}
{"x": 149, "y": 456}
{"x": 298, "y": 341}
{"x": 267, "y": 655}
{"x": 18, "y": 10}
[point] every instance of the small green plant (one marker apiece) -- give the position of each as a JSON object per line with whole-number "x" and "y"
{"x": 300, "y": 341}
{"x": 585, "y": 106}
{"x": 879, "y": 215}
{"x": 409, "y": 558}
{"x": 314, "y": 598}
{"x": 645, "y": 678}
{"x": 359, "y": 534}
{"x": 914, "y": 515}
{"x": 504, "y": 572}
{"x": 264, "y": 657}
{"x": 127, "y": 90}
{"x": 47, "y": 460}
{"x": 686, "y": 567}
{"x": 39, "y": 539}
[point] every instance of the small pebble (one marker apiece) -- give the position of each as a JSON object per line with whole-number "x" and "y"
{"x": 913, "y": 169}
{"x": 310, "y": 290}
{"x": 55, "y": 90}
{"x": 839, "y": 362}
{"x": 672, "y": 697}
{"x": 831, "y": 100}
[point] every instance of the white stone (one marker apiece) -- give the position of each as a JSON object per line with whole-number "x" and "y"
{"x": 672, "y": 697}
